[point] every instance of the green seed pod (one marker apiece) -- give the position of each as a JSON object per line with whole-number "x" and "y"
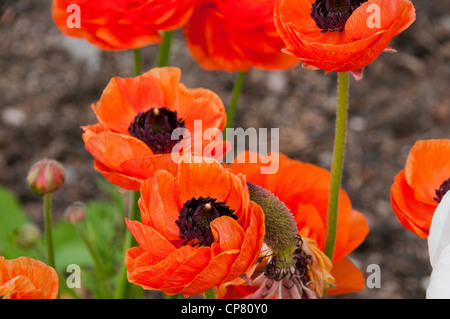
{"x": 281, "y": 228}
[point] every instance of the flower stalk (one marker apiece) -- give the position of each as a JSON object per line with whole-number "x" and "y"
{"x": 231, "y": 112}
{"x": 337, "y": 164}
{"x": 164, "y": 49}
{"x": 96, "y": 258}
{"x": 48, "y": 230}
{"x": 129, "y": 241}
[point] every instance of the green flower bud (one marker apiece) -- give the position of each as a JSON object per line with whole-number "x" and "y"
{"x": 27, "y": 236}
{"x": 281, "y": 228}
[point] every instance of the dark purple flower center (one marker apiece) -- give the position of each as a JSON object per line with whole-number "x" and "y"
{"x": 196, "y": 216}
{"x": 331, "y": 15}
{"x": 442, "y": 190}
{"x": 155, "y": 128}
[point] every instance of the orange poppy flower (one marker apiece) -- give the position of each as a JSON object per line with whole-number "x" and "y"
{"x": 120, "y": 25}
{"x": 137, "y": 117}
{"x": 340, "y": 35}
{"x": 304, "y": 189}
{"x": 236, "y": 35}
{"x": 419, "y": 187}
{"x": 27, "y": 278}
{"x": 199, "y": 229}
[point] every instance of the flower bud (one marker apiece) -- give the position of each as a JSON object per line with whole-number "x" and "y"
{"x": 46, "y": 176}
{"x": 27, "y": 236}
{"x": 281, "y": 229}
{"x": 75, "y": 213}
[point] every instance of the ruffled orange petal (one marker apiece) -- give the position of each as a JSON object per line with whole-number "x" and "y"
{"x": 427, "y": 167}
{"x": 413, "y": 214}
{"x": 112, "y": 149}
{"x": 252, "y": 242}
{"x": 194, "y": 178}
{"x": 348, "y": 278}
{"x": 127, "y": 97}
{"x": 27, "y": 278}
{"x": 121, "y": 179}
{"x": 150, "y": 239}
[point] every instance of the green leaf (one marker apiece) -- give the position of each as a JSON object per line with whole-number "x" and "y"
{"x": 12, "y": 216}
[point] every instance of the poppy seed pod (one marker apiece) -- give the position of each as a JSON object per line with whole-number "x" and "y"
{"x": 46, "y": 176}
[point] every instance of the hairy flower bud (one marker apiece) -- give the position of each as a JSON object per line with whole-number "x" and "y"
{"x": 281, "y": 230}
{"x": 75, "y": 213}
{"x": 27, "y": 236}
{"x": 46, "y": 176}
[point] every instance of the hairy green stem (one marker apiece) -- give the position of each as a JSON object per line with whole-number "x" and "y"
{"x": 337, "y": 164}
{"x": 122, "y": 280}
{"x": 137, "y": 62}
{"x": 164, "y": 49}
{"x": 210, "y": 293}
{"x": 48, "y": 230}
{"x": 95, "y": 257}
{"x": 231, "y": 112}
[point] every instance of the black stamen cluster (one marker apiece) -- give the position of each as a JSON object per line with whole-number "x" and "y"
{"x": 443, "y": 189}
{"x": 155, "y": 128}
{"x": 196, "y": 216}
{"x": 331, "y": 15}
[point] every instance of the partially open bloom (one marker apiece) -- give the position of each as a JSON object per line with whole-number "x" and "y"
{"x": 136, "y": 121}
{"x": 304, "y": 189}
{"x": 420, "y": 186}
{"x": 120, "y": 25}
{"x": 340, "y": 35}
{"x": 236, "y": 35}
{"x": 27, "y": 278}
{"x": 439, "y": 251}
{"x": 199, "y": 229}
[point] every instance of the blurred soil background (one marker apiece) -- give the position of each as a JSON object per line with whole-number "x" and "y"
{"x": 48, "y": 83}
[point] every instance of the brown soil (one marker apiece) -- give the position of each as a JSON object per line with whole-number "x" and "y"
{"x": 48, "y": 83}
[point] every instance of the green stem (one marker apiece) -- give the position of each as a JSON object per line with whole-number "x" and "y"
{"x": 48, "y": 230}
{"x": 338, "y": 160}
{"x": 122, "y": 280}
{"x": 137, "y": 62}
{"x": 210, "y": 293}
{"x": 98, "y": 264}
{"x": 164, "y": 49}
{"x": 231, "y": 112}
